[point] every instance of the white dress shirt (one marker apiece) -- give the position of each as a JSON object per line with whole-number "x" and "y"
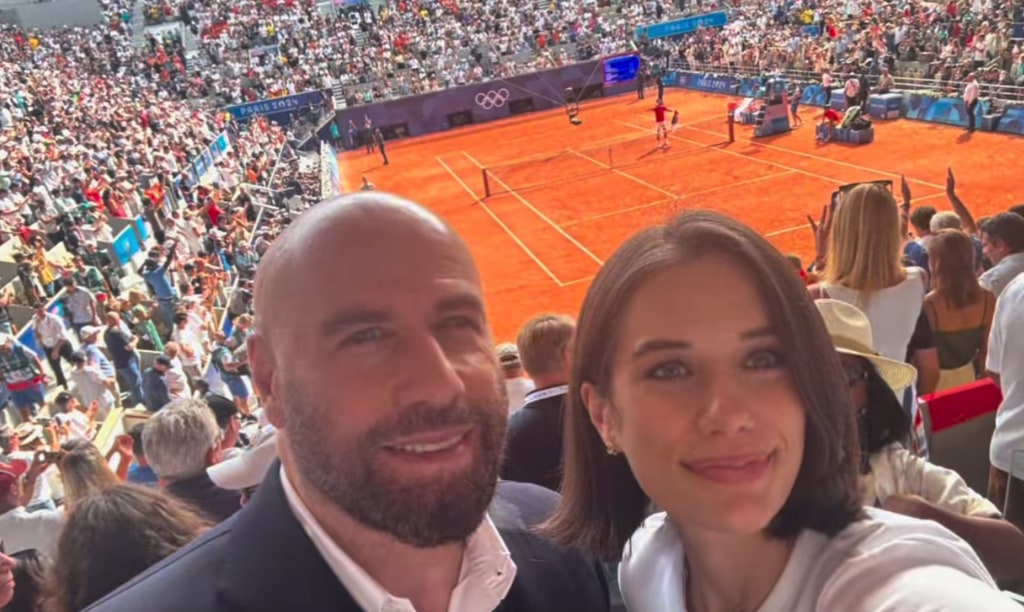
{"x": 486, "y": 576}
{"x": 996, "y": 278}
{"x": 1006, "y": 358}
{"x": 50, "y": 330}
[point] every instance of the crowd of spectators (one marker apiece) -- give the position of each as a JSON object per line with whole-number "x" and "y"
{"x": 940, "y": 43}
{"x": 939, "y": 290}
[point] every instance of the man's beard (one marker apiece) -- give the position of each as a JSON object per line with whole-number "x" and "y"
{"x": 423, "y": 514}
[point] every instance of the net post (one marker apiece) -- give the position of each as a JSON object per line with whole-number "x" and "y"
{"x": 487, "y": 184}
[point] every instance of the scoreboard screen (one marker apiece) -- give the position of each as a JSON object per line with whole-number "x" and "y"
{"x": 621, "y": 68}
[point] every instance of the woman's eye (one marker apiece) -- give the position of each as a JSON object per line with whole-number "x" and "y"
{"x": 764, "y": 360}
{"x": 669, "y": 371}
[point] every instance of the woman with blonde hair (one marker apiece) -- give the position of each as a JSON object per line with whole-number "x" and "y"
{"x": 84, "y": 471}
{"x": 860, "y": 243}
{"x": 727, "y": 408}
{"x": 959, "y": 309}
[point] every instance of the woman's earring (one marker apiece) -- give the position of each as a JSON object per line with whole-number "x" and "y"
{"x": 608, "y": 446}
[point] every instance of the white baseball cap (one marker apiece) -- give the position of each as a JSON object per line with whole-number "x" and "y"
{"x": 249, "y": 468}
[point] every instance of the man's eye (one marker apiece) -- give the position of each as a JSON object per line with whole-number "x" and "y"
{"x": 364, "y": 336}
{"x": 458, "y": 321}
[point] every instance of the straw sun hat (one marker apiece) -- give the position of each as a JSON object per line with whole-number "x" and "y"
{"x": 850, "y": 330}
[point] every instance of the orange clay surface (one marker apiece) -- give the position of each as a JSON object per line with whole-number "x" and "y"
{"x": 565, "y": 197}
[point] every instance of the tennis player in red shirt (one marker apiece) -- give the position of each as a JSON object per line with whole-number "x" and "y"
{"x": 661, "y": 132}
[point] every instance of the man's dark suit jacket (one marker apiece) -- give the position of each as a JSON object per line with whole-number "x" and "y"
{"x": 261, "y": 560}
{"x": 533, "y": 447}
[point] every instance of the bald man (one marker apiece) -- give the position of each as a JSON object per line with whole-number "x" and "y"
{"x": 373, "y": 359}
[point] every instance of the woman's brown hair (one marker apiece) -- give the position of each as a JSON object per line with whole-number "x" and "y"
{"x": 111, "y": 537}
{"x": 602, "y": 503}
{"x": 951, "y": 254}
{"x": 84, "y": 471}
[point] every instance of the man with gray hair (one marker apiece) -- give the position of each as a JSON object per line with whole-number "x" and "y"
{"x": 946, "y": 219}
{"x": 180, "y": 442}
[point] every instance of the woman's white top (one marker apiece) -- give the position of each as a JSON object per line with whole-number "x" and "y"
{"x": 885, "y": 563}
{"x": 893, "y": 311}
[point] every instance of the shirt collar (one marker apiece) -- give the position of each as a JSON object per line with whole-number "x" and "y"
{"x": 485, "y": 578}
{"x": 540, "y": 394}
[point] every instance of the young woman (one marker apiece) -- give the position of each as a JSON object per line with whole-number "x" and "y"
{"x": 704, "y": 381}
{"x": 892, "y": 477}
{"x": 958, "y": 308}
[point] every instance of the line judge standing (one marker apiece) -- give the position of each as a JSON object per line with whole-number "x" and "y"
{"x": 391, "y": 413}
{"x": 972, "y": 91}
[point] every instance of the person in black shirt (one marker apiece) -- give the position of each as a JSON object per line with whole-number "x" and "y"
{"x": 378, "y": 138}
{"x": 534, "y": 440}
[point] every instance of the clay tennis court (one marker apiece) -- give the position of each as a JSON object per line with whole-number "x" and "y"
{"x": 564, "y": 197}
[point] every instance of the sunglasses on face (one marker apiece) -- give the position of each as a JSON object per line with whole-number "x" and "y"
{"x": 854, "y": 373}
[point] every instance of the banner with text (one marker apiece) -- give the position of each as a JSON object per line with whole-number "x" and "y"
{"x": 683, "y": 26}
{"x": 275, "y": 106}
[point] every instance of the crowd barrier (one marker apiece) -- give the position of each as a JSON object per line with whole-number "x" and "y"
{"x": 918, "y": 105}
{"x": 479, "y": 102}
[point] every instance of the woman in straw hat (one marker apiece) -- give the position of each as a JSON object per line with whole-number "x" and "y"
{"x": 704, "y": 381}
{"x": 897, "y": 480}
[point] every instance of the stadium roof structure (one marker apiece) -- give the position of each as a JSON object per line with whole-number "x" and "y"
{"x": 52, "y": 14}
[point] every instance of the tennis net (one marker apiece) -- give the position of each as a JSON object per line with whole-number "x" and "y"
{"x": 573, "y": 164}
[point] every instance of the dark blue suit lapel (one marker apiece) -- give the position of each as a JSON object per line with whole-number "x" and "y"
{"x": 271, "y": 565}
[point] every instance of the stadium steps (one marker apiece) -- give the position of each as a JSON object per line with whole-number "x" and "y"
{"x": 339, "y": 95}
{"x": 138, "y": 25}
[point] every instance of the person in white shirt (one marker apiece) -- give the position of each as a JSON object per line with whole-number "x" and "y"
{"x": 1002, "y": 241}
{"x": 727, "y": 408}
{"x": 517, "y": 385}
{"x": 79, "y": 421}
{"x": 1005, "y": 365}
{"x": 52, "y": 337}
{"x": 892, "y": 477}
{"x": 20, "y": 529}
{"x": 189, "y": 339}
{"x": 178, "y": 384}
{"x": 972, "y": 91}
{"x": 89, "y": 385}
{"x": 826, "y": 85}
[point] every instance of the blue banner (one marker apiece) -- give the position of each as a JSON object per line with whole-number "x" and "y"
{"x": 950, "y": 111}
{"x": 1012, "y": 121}
{"x": 126, "y": 244}
{"x": 1017, "y": 30}
{"x": 683, "y": 26}
{"x": 715, "y": 83}
{"x": 273, "y": 106}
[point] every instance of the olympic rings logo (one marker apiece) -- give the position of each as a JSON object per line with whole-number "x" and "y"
{"x": 492, "y": 99}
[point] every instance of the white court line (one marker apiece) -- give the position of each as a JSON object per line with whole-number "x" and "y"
{"x": 787, "y": 230}
{"x": 714, "y": 147}
{"x": 635, "y": 179}
{"x": 543, "y": 217}
{"x": 500, "y": 223}
{"x": 837, "y": 162}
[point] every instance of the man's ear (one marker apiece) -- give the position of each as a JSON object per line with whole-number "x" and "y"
{"x": 601, "y": 414}
{"x": 263, "y": 369}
